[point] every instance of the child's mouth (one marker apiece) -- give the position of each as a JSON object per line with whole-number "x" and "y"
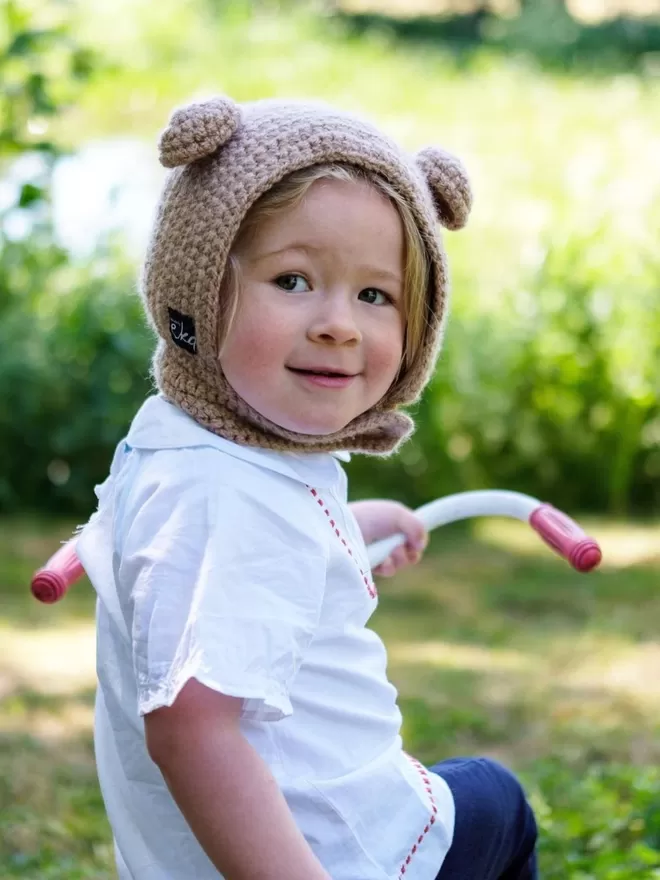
{"x": 324, "y": 378}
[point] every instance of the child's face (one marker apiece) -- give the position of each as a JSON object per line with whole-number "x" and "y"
{"x": 321, "y": 291}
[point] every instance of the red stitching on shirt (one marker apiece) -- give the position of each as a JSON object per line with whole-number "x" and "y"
{"x": 434, "y": 812}
{"x": 370, "y": 585}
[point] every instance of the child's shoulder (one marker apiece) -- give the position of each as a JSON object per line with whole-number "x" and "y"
{"x": 171, "y": 461}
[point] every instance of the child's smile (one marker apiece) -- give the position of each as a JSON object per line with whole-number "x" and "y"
{"x": 319, "y": 330}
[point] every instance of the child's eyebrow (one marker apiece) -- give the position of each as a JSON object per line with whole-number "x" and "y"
{"x": 379, "y": 271}
{"x": 305, "y": 248}
{"x": 386, "y": 274}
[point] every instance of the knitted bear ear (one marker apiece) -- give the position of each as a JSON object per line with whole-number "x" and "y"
{"x": 449, "y": 186}
{"x": 198, "y": 130}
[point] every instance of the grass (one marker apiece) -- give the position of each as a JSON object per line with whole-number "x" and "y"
{"x": 496, "y": 647}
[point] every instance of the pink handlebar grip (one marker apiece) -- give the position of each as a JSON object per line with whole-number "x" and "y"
{"x": 62, "y": 570}
{"x": 566, "y": 537}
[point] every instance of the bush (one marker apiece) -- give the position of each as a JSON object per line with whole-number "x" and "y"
{"x": 554, "y": 394}
{"x": 74, "y": 361}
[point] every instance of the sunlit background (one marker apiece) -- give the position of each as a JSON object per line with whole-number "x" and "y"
{"x": 548, "y": 383}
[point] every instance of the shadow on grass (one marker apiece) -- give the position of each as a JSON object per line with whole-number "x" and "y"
{"x": 468, "y": 590}
{"x": 25, "y": 701}
{"x": 517, "y": 719}
{"x": 521, "y": 657}
{"x": 546, "y": 33}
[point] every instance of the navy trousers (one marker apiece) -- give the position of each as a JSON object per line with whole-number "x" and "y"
{"x": 495, "y": 830}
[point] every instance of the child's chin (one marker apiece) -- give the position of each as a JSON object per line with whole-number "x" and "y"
{"x": 315, "y": 429}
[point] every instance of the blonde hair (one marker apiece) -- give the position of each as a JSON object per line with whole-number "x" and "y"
{"x": 287, "y": 194}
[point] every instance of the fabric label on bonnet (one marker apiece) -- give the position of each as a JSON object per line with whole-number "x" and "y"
{"x": 182, "y": 330}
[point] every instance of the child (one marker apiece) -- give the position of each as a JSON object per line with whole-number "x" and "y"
{"x": 245, "y": 726}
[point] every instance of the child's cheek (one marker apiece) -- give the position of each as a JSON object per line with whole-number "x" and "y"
{"x": 385, "y": 355}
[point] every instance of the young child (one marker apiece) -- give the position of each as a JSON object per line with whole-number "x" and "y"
{"x": 245, "y": 725}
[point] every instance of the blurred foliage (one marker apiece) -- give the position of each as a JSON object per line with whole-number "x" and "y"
{"x": 74, "y": 366}
{"x": 544, "y": 30}
{"x": 41, "y": 69}
{"x": 587, "y": 825}
{"x": 550, "y": 376}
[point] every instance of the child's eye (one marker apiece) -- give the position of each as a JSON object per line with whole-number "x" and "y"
{"x": 371, "y": 295}
{"x": 292, "y": 283}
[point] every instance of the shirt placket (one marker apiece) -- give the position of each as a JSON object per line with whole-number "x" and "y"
{"x": 344, "y": 537}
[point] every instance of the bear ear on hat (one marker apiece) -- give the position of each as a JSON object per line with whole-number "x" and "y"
{"x": 449, "y": 186}
{"x": 198, "y": 130}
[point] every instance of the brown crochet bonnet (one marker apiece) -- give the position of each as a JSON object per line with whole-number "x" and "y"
{"x": 225, "y": 156}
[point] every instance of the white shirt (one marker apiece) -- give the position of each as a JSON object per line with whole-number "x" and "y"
{"x": 245, "y": 569}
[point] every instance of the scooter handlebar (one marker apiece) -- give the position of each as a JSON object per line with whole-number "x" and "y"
{"x": 559, "y": 531}
{"x": 62, "y": 570}
{"x": 566, "y": 537}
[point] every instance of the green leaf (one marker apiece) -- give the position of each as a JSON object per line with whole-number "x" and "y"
{"x": 26, "y": 42}
{"x": 30, "y": 194}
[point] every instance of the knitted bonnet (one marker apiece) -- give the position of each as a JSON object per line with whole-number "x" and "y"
{"x": 225, "y": 156}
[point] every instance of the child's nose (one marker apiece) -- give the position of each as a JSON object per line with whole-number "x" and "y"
{"x": 335, "y": 322}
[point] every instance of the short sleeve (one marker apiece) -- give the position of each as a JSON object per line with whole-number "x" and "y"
{"x": 224, "y": 579}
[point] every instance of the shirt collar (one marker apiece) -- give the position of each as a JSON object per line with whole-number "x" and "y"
{"x": 159, "y": 424}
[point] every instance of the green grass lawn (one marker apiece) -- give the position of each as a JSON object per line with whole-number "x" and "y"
{"x": 496, "y": 646}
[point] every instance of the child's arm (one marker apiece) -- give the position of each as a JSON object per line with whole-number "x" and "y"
{"x": 225, "y": 790}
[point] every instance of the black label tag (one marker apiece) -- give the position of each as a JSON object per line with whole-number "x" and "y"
{"x": 182, "y": 330}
